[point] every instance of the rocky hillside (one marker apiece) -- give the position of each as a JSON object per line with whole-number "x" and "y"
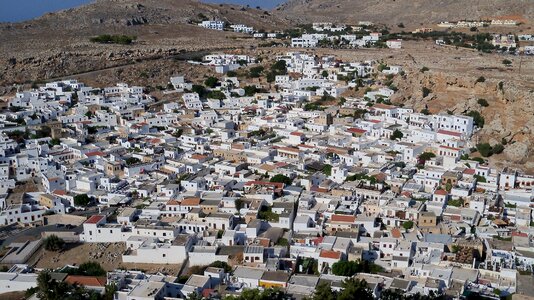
{"x": 409, "y": 12}
{"x": 58, "y": 44}
{"x": 505, "y": 114}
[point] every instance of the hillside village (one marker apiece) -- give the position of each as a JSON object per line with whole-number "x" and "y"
{"x": 276, "y": 179}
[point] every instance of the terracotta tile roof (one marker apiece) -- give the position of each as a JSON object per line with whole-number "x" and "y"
{"x": 330, "y": 254}
{"x": 448, "y": 132}
{"x": 296, "y": 133}
{"x": 318, "y": 189}
{"x": 521, "y": 234}
{"x": 94, "y": 219}
{"x": 173, "y": 202}
{"x": 59, "y": 192}
{"x": 256, "y": 182}
{"x": 406, "y": 194}
{"x": 337, "y": 150}
{"x": 198, "y": 156}
{"x": 441, "y": 192}
{"x": 191, "y": 201}
{"x": 396, "y": 233}
{"x": 238, "y": 146}
{"x": 95, "y": 153}
{"x": 86, "y": 280}
{"x": 469, "y": 171}
{"x": 356, "y": 130}
{"x": 450, "y": 148}
{"x": 343, "y": 218}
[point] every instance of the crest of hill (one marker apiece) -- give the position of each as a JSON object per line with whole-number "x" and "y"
{"x": 412, "y": 12}
{"x": 124, "y": 13}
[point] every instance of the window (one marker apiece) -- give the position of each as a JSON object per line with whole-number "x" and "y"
{"x": 164, "y": 255}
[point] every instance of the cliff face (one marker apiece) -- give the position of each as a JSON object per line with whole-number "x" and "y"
{"x": 509, "y": 114}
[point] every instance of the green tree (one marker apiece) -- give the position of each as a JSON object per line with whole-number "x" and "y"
{"x": 199, "y": 89}
{"x": 426, "y": 156}
{"x": 355, "y": 289}
{"x": 216, "y": 95}
{"x": 327, "y": 170}
{"x": 323, "y": 291}
{"x": 82, "y": 200}
{"x": 478, "y": 120}
{"x": 324, "y": 74}
{"x": 132, "y": 161}
{"x": 498, "y": 149}
{"x": 256, "y": 294}
{"x": 281, "y": 179}
{"x": 53, "y": 243}
{"x": 255, "y": 72}
{"x": 279, "y": 67}
{"x": 484, "y": 149}
{"x": 483, "y": 102}
{"x": 346, "y": 268}
{"x": 396, "y": 135}
{"x": 109, "y": 291}
{"x": 91, "y": 268}
{"x": 211, "y": 82}
{"x": 222, "y": 265}
{"x": 250, "y": 90}
{"x": 407, "y": 225}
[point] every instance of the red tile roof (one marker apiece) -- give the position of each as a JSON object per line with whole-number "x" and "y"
{"x": 450, "y": 148}
{"x": 448, "y": 132}
{"x": 198, "y": 156}
{"x": 343, "y": 218}
{"x": 289, "y": 149}
{"x": 330, "y": 254}
{"x": 356, "y": 130}
{"x": 469, "y": 171}
{"x": 522, "y": 234}
{"x": 256, "y": 182}
{"x": 95, "y": 153}
{"x": 441, "y": 192}
{"x": 173, "y": 202}
{"x": 59, "y": 192}
{"x": 94, "y": 219}
{"x": 191, "y": 201}
{"x": 396, "y": 233}
{"x": 86, "y": 280}
{"x": 296, "y": 133}
{"x": 318, "y": 189}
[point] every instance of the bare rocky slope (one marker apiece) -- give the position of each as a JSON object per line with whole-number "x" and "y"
{"x": 58, "y": 44}
{"x": 413, "y": 12}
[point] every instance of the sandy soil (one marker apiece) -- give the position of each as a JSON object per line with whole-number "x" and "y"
{"x": 108, "y": 255}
